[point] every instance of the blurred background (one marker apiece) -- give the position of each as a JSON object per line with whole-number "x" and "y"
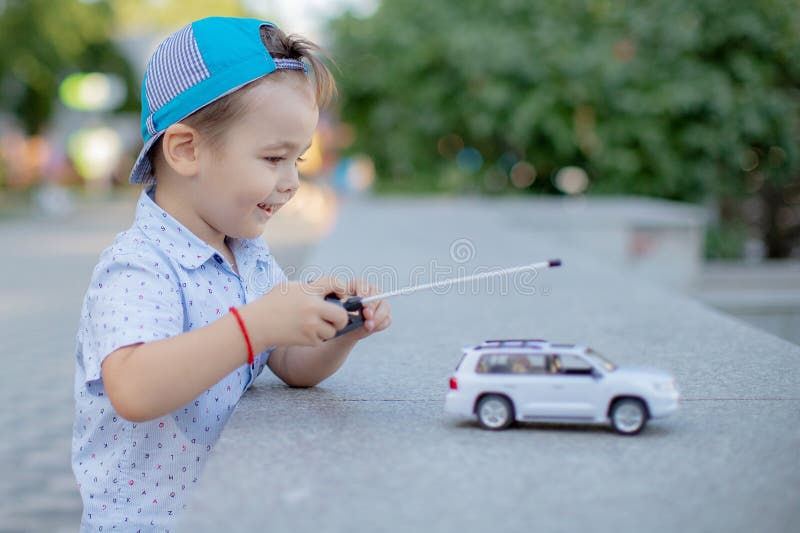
{"x": 670, "y": 129}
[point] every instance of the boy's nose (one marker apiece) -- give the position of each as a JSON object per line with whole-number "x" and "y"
{"x": 290, "y": 181}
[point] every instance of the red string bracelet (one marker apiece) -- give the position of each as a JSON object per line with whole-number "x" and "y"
{"x": 250, "y": 356}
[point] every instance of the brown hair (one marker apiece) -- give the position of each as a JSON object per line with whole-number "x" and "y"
{"x": 212, "y": 120}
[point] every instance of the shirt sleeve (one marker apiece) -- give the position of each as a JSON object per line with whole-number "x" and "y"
{"x": 130, "y": 300}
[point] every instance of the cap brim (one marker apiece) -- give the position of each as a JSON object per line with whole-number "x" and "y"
{"x": 142, "y": 170}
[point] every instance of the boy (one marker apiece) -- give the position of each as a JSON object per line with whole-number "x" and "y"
{"x": 186, "y": 307}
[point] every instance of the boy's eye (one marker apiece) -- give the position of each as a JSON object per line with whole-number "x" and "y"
{"x": 278, "y": 159}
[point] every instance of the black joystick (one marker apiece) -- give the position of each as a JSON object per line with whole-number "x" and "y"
{"x": 354, "y": 308}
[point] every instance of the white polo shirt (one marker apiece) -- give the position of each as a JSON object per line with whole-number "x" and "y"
{"x": 156, "y": 280}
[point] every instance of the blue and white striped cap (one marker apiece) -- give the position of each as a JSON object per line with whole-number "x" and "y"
{"x": 195, "y": 66}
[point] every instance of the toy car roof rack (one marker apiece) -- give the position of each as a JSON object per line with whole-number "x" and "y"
{"x": 511, "y": 343}
{"x": 514, "y": 340}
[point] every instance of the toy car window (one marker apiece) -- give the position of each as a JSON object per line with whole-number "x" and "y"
{"x": 511, "y": 363}
{"x": 573, "y": 364}
{"x": 608, "y": 365}
{"x": 529, "y": 364}
{"x": 493, "y": 363}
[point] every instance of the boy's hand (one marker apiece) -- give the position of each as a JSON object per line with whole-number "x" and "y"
{"x": 295, "y": 313}
{"x": 377, "y": 314}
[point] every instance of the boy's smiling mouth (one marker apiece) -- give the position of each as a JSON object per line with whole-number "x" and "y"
{"x": 269, "y": 208}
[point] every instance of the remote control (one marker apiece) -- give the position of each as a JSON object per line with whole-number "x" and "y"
{"x": 355, "y": 304}
{"x": 354, "y": 308}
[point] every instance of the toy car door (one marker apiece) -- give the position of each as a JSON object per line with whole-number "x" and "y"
{"x": 529, "y": 375}
{"x": 574, "y": 392}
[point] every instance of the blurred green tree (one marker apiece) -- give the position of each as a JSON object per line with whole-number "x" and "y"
{"x": 692, "y": 100}
{"x": 166, "y": 16}
{"x": 44, "y": 41}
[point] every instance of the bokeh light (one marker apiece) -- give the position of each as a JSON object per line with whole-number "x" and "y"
{"x": 92, "y": 91}
{"x": 572, "y": 180}
{"x": 507, "y": 161}
{"x": 310, "y": 214}
{"x": 23, "y": 159}
{"x": 523, "y": 174}
{"x": 469, "y": 159}
{"x": 360, "y": 173}
{"x": 95, "y": 152}
{"x": 450, "y": 145}
{"x": 749, "y": 160}
{"x": 312, "y": 158}
{"x": 309, "y": 198}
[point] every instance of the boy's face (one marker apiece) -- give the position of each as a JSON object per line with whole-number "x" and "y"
{"x": 253, "y": 171}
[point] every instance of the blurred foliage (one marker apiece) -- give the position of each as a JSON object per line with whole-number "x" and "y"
{"x": 43, "y": 41}
{"x": 692, "y": 100}
{"x": 725, "y": 241}
{"x": 143, "y": 16}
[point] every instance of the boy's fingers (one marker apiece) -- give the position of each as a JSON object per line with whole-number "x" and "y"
{"x": 350, "y": 287}
{"x": 385, "y": 324}
{"x": 362, "y": 288}
{"x": 343, "y": 288}
{"x": 381, "y": 311}
{"x": 326, "y": 331}
{"x": 385, "y": 319}
{"x": 329, "y": 284}
{"x": 334, "y": 314}
{"x": 377, "y": 318}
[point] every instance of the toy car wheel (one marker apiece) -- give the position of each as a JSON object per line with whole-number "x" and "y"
{"x": 495, "y": 412}
{"x": 628, "y": 416}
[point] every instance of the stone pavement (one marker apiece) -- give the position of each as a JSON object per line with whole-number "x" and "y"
{"x": 42, "y": 282}
{"x": 48, "y": 264}
{"x": 370, "y": 449}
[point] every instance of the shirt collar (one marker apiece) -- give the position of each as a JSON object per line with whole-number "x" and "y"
{"x": 248, "y": 252}
{"x": 177, "y": 241}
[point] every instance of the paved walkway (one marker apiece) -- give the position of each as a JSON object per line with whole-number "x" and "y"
{"x": 42, "y": 281}
{"x": 371, "y": 449}
{"x": 43, "y": 278}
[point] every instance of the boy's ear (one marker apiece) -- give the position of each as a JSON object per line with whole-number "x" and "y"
{"x": 179, "y": 147}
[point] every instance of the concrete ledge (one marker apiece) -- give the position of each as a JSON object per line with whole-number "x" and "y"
{"x": 371, "y": 449}
{"x": 765, "y": 294}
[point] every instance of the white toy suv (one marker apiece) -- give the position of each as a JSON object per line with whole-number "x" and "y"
{"x": 502, "y": 381}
